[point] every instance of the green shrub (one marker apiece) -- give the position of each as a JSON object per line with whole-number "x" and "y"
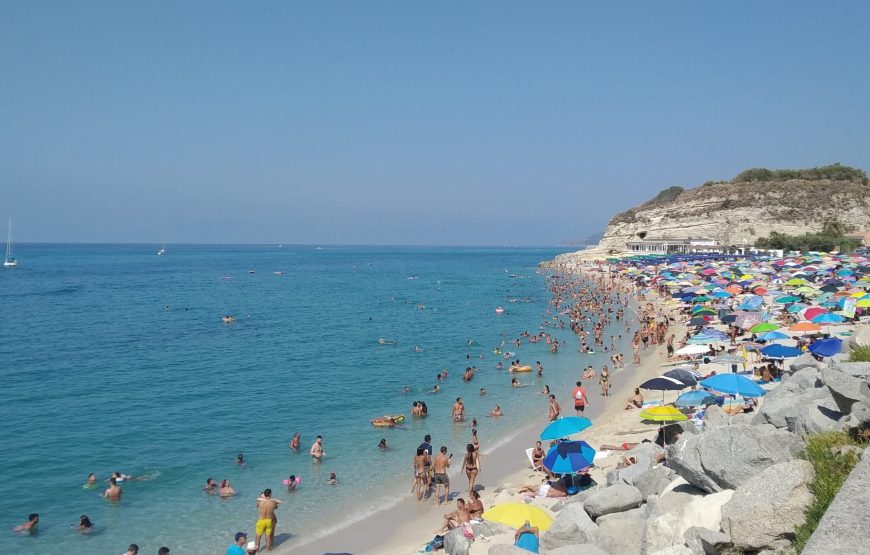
{"x": 831, "y": 236}
{"x": 835, "y": 172}
{"x": 859, "y": 354}
{"x": 832, "y": 469}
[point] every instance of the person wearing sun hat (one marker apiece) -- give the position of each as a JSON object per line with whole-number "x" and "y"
{"x": 238, "y": 548}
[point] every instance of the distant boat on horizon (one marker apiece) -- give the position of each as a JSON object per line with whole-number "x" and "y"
{"x": 9, "y": 261}
{"x": 162, "y": 250}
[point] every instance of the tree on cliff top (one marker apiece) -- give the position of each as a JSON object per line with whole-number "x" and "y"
{"x": 834, "y": 172}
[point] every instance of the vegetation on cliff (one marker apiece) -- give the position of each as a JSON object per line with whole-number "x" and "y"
{"x": 834, "y": 172}
{"x": 833, "y": 235}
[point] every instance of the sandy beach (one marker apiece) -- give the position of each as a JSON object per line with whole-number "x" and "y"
{"x": 408, "y": 525}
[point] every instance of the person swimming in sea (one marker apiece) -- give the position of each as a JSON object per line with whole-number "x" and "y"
{"x": 294, "y": 443}
{"x": 91, "y": 483}
{"x": 333, "y": 479}
{"x": 383, "y": 443}
{"x": 28, "y": 527}
{"x": 85, "y": 525}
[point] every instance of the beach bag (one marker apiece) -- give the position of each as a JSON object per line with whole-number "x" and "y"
{"x": 436, "y": 543}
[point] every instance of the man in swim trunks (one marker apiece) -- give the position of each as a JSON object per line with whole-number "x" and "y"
{"x": 440, "y": 466}
{"x": 266, "y": 518}
{"x": 317, "y": 449}
{"x": 113, "y": 492}
{"x": 458, "y": 410}
{"x": 555, "y": 410}
{"x": 457, "y": 518}
{"x": 580, "y": 398}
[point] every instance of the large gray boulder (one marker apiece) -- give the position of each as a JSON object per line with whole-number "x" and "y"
{"x": 639, "y": 512}
{"x": 846, "y": 525}
{"x": 724, "y": 458}
{"x": 808, "y": 378}
{"x": 806, "y": 360}
{"x": 669, "y": 528}
{"x": 860, "y": 336}
{"x": 859, "y": 415}
{"x": 614, "y": 499}
{"x": 506, "y": 549}
{"x": 622, "y": 535}
{"x": 571, "y": 526}
{"x": 767, "y": 508}
{"x": 653, "y": 481}
{"x": 455, "y": 542}
{"x": 674, "y": 500}
{"x": 816, "y": 417}
{"x": 703, "y": 541}
{"x": 579, "y": 549}
{"x": 854, "y": 369}
{"x": 784, "y": 401}
{"x": 487, "y": 528}
{"x": 845, "y": 389}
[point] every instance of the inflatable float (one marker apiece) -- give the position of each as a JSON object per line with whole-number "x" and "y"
{"x": 388, "y": 421}
{"x": 297, "y": 479}
{"x": 521, "y": 369}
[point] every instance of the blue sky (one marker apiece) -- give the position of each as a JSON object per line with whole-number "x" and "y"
{"x": 494, "y": 123}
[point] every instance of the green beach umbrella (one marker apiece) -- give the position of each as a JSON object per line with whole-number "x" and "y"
{"x": 763, "y": 327}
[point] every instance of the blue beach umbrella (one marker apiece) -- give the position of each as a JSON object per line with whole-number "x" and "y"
{"x": 683, "y": 375}
{"x": 828, "y": 318}
{"x": 772, "y": 336}
{"x": 780, "y": 351}
{"x": 694, "y": 399}
{"x": 567, "y": 457}
{"x": 826, "y": 347}
{"x": 564, "y": 427}
{"x": 735, "y": 384}
{"x": 663, "y": 383}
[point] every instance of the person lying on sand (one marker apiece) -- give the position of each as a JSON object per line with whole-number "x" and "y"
{"x": 547, "y": 489}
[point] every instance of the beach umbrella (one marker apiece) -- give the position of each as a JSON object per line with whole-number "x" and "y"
{"x": 564, "y": 427}
{"x": 772, "y": 336}
{"x": 812, "y": 312}
{"x": 735, "y": 384}
{"x": 694, "y": 399}
{"x": 665, "y": 413}
{"x": 693, "y": 350}
{"x": 517, "y": 514}
{"x": 826, "y": 347}
{"x": 682, "y": 375}
{"x": 804, "y": 326}
{"x": 780, "y": 351}
{"x": 698, "y": 321}
{"x": 763, "y": 327}
{"x": 728, "y": 358}
{"x": 567, "y": 457}
{"x": 828, "y": 318}
{"x": 663, "y": 383}
{"x": 785, "y": 299}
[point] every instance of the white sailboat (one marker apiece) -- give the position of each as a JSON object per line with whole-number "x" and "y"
{"x": 162, "y": 250}
{"x": 9, "y": 261}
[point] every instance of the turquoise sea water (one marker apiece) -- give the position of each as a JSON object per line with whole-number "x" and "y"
{"x": 116, "y": 359}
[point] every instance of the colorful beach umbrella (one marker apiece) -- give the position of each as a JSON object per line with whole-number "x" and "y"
{"x": 772, "y": 336}
{"x": 683, "y": 375}
{"x": 564, "y": 427}
{"x": 517, "y": 514}
{"x": 567, "y": 457}
{"x": 697, "y": 398}
{"x": 804, "y": 326}
{"x": 828, "y": 318}
{"x": 663, "y": 383}
{"x": 763, "y": 327}
{"x": 665, "y": 413}
{"x": 735, "y": 384}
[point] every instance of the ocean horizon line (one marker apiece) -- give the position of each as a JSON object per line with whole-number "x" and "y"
{"x": 312, "y": 245}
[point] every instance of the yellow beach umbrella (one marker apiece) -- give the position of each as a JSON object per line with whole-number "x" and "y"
{"x": 516, "y": 514}
{"x": 863, "y": 303}
{"x": 665, "y": 413}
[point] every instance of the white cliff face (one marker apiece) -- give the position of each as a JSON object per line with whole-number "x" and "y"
{"x": 738, "y": 213}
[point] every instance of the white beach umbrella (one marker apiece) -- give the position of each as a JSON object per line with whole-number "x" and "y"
{"x": 693, "y": 350}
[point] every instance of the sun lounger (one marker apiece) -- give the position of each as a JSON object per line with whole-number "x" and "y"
{"x": 529, "y": 452}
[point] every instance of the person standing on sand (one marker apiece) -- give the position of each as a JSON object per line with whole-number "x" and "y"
{"x": 317, "y": 449}
{"x": 555, "y": 410}
{"x": 604, "y": 382}
{"x": 266, "y": 519}
{"x": 581, "y": 399}
{"x": 471, "y": 465}
{"x": 420, "y": 462}
{"x": 635, "y": 347}
{"x": 440, "y": 478}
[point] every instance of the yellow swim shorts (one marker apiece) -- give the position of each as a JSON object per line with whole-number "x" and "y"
{"x": 264, "y": 526}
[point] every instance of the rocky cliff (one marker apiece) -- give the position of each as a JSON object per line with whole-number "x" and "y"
{"x": 750, "y": 206}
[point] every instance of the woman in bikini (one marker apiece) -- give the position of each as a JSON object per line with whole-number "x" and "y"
{"x": 538, "y": 456}
{"x": 471, "y": 465}
{"x": 420, "y": 460}
{"x": 604, "y": 382}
